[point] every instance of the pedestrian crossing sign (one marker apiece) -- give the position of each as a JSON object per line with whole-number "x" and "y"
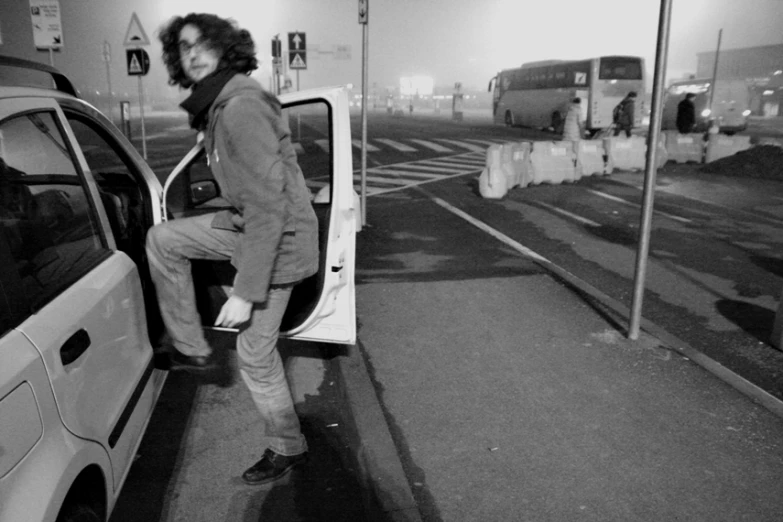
{"x": 138, "y": 62}
{"x": 298, "y": 60}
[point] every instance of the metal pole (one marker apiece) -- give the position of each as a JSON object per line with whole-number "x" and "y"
{"x": 661, "y": 54}
{"x": 141, "y": 113}
{"x": 715, "y": 71}
{"x": 51, "y": 56}
{"x": 297, "y": 80}
{"x": 364, "y": 122}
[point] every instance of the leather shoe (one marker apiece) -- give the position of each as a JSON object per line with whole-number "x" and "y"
{"x": 191, "y": 363}
{"x": 271, "y": 467}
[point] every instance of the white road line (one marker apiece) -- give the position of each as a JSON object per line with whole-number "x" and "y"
{"x": 391, "y": 180}
{"x": 451, "y": 164}
{"x": 412, "y": 185}
{"x": 464, "y": 145}
{"x": 395, "y": 172}
{"x": 559, "y": 210}
{"x": 298, "y": 148}
{"x": 432, "y": 146}
{"x": 396, "y": 145}
{"x": 370, "y": 147}
{"x": 631, "y": 203}
{"x": 447, "y": 169}
{"x": 486, "y": 142}
{"x": 324, "y": 144}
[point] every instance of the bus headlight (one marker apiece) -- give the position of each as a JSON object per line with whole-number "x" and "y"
{"x": 705, "y": 113}
{"x": 746, "y": 112}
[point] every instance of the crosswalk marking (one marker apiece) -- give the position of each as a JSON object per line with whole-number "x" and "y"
{"x": 447, "y": 169}
{"x": 406, "y": 173}
{"x": 370, "y": 147}
{"x": 432, "y": 145}
{"x": 396, "y": 145}
{"x": 469, "y": 146}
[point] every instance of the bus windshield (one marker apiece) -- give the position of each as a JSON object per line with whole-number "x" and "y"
{"x": 618, "y": 68}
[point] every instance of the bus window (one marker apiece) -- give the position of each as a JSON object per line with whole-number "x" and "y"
{"x": 620, "y": 69}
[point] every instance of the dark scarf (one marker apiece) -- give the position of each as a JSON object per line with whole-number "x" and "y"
{"x": 203, "y": 96}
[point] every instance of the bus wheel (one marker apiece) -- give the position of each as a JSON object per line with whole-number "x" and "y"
{"x": 509, "y": 119}
{"x": 557, "y": 122}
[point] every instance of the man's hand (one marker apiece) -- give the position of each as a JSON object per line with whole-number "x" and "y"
{"x": 234, "y": 312}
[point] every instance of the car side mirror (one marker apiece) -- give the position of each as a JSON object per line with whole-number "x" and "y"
{"x": 203, "y": 191}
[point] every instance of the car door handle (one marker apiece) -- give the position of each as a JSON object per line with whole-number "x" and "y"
{"x": 74, "y": 347}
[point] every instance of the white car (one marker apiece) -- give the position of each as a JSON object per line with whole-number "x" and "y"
{"x": 77, "y": 315}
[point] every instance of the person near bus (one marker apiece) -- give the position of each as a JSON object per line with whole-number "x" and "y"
{"x": 270, "y": 234}
{"x": 686, "y": 114}
{"x": 623, "y": 115}
{"x": 573, "y": 128}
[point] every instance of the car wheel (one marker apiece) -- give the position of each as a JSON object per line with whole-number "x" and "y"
{"x": 78, "y": 513}
{"x": 509, "y": 119}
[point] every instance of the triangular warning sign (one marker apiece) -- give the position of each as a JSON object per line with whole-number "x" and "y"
{"x": 135, "y": 66}
{"x": 135, "y": 34}
{"x": 297, "y": 62}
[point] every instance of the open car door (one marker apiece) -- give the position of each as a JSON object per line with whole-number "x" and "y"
{"x": 322, "y": 307}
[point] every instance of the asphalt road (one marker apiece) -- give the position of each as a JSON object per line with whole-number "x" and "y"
{"x": 714, "y": 281}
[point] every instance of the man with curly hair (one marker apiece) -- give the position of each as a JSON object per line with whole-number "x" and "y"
{"x": 270, "y": 235}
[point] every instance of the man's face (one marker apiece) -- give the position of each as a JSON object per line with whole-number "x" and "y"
{"x": 197, "y": 58}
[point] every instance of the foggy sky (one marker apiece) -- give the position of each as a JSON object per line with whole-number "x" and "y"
{"x": 451, "y": 40}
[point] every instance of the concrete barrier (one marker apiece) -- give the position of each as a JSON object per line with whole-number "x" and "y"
{"x": 684, "y": 148}
{"x": 493, "y": 180}
{"x": 590, "y": 158}
{"x": 720, "y": 146}
{"x": 625, "y": 153}
{"x": 520, "y": 163}
{"x": 507, "y": 165}
{"x": 553, "y": 162}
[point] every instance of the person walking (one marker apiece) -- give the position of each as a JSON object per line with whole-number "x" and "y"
{"x": 270, "y": 235}
{"x": 573, "y": 128}
{"x": 624, "y": 114}
{"x": 686, "y": 114}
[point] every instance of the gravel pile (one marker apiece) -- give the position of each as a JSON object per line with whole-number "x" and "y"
{"x": 761, "y": 161}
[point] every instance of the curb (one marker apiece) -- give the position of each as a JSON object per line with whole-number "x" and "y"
{"x": 380, "y": 469}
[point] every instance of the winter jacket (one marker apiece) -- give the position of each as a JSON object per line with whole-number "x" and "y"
{"x": 686, "y": 116}
{"x": 625, "y": 119}
{"x": 572, "y": 129}
{"x": 254, "y": 163}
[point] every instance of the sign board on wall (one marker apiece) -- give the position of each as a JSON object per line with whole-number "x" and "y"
{"x": 47, "y": 28}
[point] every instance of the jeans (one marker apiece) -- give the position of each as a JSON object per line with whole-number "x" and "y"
{"x": 170, "y": 247}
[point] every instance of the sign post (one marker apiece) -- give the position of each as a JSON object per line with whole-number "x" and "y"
{"x": 276, "y": 62}
{"x": 364, "y": 15}
{"x": 138, "y": 62}
{"x": 107, "y": 61}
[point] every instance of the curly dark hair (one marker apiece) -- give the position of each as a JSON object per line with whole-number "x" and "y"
{"x": 234, "y": 45}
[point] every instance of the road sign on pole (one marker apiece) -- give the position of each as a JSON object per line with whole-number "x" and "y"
{"x": 135, "y": 34}
{"x": 47, "y": 29}
{"x": 364, "y": 11}
{"x": 297, "y": 51}
{"x": 138, "y": 62}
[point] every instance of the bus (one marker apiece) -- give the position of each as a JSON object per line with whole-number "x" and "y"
{"x": 538, "y": 93}
{"x": 730, "y": 104}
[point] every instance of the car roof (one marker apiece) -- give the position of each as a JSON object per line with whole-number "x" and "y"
{"x": 17, "y": 72}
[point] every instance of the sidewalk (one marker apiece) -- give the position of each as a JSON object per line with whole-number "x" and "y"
{"x": 509, "y": 396}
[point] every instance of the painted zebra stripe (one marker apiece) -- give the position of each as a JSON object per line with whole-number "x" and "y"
{"x": 470, "y": 146}
{"x": 432, "y": 146}
{"x": 396, "y": 145}
{"x": 324, "y": 144}
{"x": 370, "y": 147}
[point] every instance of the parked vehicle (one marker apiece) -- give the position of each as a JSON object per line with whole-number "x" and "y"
{"x": 730, "y": 104}
{"x": 78, "y": 318}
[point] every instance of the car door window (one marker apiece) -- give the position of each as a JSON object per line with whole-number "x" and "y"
{"x": 47, "y": 218}
{"x": 118, "y": 184}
